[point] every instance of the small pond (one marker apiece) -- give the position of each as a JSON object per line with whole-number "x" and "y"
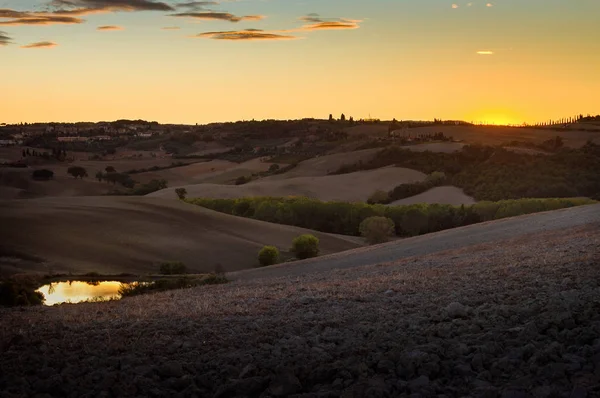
{"x": 78, "y": 291}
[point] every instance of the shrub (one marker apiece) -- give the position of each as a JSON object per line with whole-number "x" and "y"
{"x": 377, "y": 229}
{"x": 110, "y": 169}
{"x": 379, "y": 197}
{"x": 22, "y": 291}
{"x": 242, "y": 180}
{"x": 274, "y": 167}
{"x": 43, "y": 175}
{"x": 152, "y": 186}
{"x": 161, "y": 285}
{"x": 414, "y": 221}
{"x": 77, "y": 171}
{"x": 181, "y": 193}
{"x": 173, "y": 268}
{"x": 268, "y": 255}
{"x": 306, "y": 246}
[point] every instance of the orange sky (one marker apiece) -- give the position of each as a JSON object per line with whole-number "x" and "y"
{"x": 508, "y": 61}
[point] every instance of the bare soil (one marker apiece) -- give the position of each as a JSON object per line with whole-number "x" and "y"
{"x": 352, "y": 187}
{"x": 125, "y": 234}
{"x": 444, "y": 195}
{"x": 517, "y": 317}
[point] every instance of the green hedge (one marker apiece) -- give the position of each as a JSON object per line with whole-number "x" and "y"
{"x": 345, "y": 218}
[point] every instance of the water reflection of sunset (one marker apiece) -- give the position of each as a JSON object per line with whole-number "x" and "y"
{"x": 75, "y": 292}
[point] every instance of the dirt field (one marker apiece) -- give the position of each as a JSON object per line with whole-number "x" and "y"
{"x": 443, "y": 147}
{"x": 443, "y": 195}
{"x": 191, "y": 174}
{"x": 17, "y": 184}
{"x": 514, "y": 317}
{"x": 352, "y": 187}
{"x": 494, "y": 135}
{"x": 117, "y": 234}
{"x": 323, "y": 165}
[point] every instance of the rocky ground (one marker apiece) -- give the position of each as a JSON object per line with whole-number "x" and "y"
{"x": 513, "y": 318}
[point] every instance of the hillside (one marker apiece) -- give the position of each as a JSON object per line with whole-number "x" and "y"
{"x": 117, "y": 234}
{"x": 444, "y": 195}
{"x": 352, "y": 187}
{"x": 489, "y": 311}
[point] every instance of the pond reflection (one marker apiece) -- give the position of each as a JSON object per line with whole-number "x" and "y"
{"x": 77, "y": 291}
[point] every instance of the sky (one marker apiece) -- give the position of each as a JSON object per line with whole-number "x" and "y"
{"x": 495, "y": 61}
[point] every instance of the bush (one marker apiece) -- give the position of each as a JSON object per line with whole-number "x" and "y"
{"x": 181, "y": 193}
{"x": 306, "y": 246}
{"x": 268, "y": 255}
{"x": 161, "y": 285}
{"x": 377, "y": 229}
{"x": 242, "y": 180}
{"x": 173, "y": 268}
{"x": 77, "y": 172}
{"x": 43, "y": 175}
{"x": 17, "y": 292}
{"x": 379, "y": 197}
{"x": 274, "y": 167}
{"x": 152, "y": 186}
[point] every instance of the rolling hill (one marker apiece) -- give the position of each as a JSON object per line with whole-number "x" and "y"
{"x": 118, "y": 234}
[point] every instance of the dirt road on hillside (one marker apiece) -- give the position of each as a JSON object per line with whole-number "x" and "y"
{"x": 436, "y": 242}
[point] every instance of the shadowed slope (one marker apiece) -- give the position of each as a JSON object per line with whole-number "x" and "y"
{"x": 116, "y": 234}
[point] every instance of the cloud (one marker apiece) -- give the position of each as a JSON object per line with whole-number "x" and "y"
{"x": 38, "y": 19}
{"x": 315, "y": 22}
{"x": 485, "y": 52}
{"x": 111, "y": 5}
{"x": 196, "y": 5}
{"x": 41, "y": 44}
{"x": 110, "y": 27}
{"x": 171, "y": 28}
{"x": 455, "y": 6}
{"x": 4, "y": 39}
{"x": 220, "y": 16}
{"x": 248, "y": 34}
{"x": 489, "y": 5}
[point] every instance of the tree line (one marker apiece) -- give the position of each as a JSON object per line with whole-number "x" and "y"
{"x": 494, "y": 173}
{"x": 345, "y": 218}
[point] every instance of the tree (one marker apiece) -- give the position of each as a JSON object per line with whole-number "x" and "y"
{"x": 377, "y": 229}
{"x": 43, "y": 175}
{"x": 305, "y": 246}
{"x": 173, "y": 268}
{"x": 77, "y": 171}
{"x": 268, "y": 255}
{"x": 414, "y": 221}
{"x": 241, "y": 180}
{"x": 110, "y": 169}
{"x": 274, "y": 167}
{"x": 99, "y": 176}
{"x": 181, "y": 193}
{"x": 379, "y": 197}
{"x": 330, "y": 117}
{"x": 24, "y": 154}
{"x": 343, "y": 118}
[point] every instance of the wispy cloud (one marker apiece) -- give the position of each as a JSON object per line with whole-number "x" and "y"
{"x": 112, "y": 5}
{"x": 4, "y": 39}
{"x": 171, "y": 28}
{"x": 489, "y": 5}
{"x": 248, "y": 34}
{"x": 41, "y": 44}
{"x": 315, "y": 22}
{"x": 455, "y": 6}
{"x": 485, "y": 52}
{"x": 220, "y": 16}
{"x": 110, "y": 27}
